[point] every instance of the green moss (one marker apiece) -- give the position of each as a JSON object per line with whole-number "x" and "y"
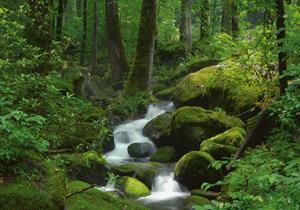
{"x": 55, "y": 185}
{"x": 145, "y": 172}
{"x": 218, "y": 151}
{"x": 94, "y": 199}
{"x": 159, "y": 87}
{"x": 158, "y": 130}
{"x": 165, "y": 94}
{"x": 133, "y": 187}
{"x": 194, "y": 168}
{"x": 164, "y": 155}
{"x": 191, "y": 125}
{"x": 93, "y": 114}
{"x": 192, "y": 86}
{"x": 196, "y": 200}
{"x": 23, "y": 196}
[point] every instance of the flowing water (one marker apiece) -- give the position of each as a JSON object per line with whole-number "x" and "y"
{"x": 166, "y": 193}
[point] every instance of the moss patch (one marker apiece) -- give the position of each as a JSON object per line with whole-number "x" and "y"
{"x": 196, "y": 200}
{"x": 133, "y": 187}
{"x": 164, "y": 155}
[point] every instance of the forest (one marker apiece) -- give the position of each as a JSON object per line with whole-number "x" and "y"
{"x": 149, "y": 104}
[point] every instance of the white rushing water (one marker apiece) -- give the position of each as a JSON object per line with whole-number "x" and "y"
{"x": 166, "y": 192}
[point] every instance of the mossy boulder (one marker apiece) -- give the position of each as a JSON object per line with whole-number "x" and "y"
{"x": 191, "y": 125}
{"x": 88, "y": 167}
{"x": 140, "y": 150}
{"x": 158, "y": 130}
{"x": 234, "y": 97}
{"x": 194, "y": 168}
{"x": 164, "y": 155}
{"x": 145, "y": 172}
{"x": 133, "y": 187}
{"x": 165, "y": 94}
{"x": 224, "y": 144}
{"x": 94, "y": 113}
{"x": 193, "y": 200}
{"x": 94, "y": 199}
{"x": 20, "y": 195}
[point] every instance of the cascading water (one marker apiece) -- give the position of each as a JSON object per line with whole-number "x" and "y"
{"x": 166, "y": 192}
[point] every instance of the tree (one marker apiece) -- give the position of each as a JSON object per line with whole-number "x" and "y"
{"x": 229, "y": 17}
{"x": 140, "y": 74}
{"x": 59, "y": 19}
{"x": 95, "y": 43}
{"x": 84, "y": 32}
{"x": 115, "y": 44}
{"x": 282, "y": 55}
{"x": 186, "y": 25}
{"x": 204, "y": 18}
{"x": 38, "y": 32}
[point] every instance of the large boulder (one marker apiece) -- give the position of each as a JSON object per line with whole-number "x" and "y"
{"x": 145, "y": 172}
{"x": 194, "y": 168}
{"x": 88, "y": 167}
{"x": 194, "y": 200}
{"x": 234, "y": 97}
{"x": 158, "y": 130}
{"x": 224, "y": 144}
{"x": 191, "y": 125}
{"x": 133, "y": 187}
{"x": 164, "y": 155}
{"x": 140, "y": 150}
{"x": 96, "y": 200}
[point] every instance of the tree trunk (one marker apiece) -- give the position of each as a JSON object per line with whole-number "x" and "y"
{"x": 234, "y": 20}
{"x": 84, "y": 33}
{"x": 59, "y": 20}
{"x": 282, "y": 55}
{"x": 38, "y": 32}
{"x": 226, "y": 17}
{"x": 95, "y": 47}
{"x": 115, "y": 45}
{"x": 186, "y": 26}
{"x": 204, "y": 18}
{"x": 78, "y": 7}
{"x": 141, "y": 71}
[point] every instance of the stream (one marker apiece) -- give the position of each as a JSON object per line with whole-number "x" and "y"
{"x": 166, "y": 192}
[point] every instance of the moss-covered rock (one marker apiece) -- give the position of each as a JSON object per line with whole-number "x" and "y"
{"x": 133, "y": 187}
{"x": 165, "y": 94}
{"x": 94, "y": 113}
{"x": 94, "y": 199}
{"x": 145, "y": 172}
{"x": 234, "y": 98}
{"x": 88, "y": 167}
{"x": 224, "y": 144}
{"x": 55, "y": 186}
{"x": 20, "y": 195}
{"x": 194, "y": 168}
{"x": 140, "y": 150}
{"x": 196, "y": 200}
{"x": 164, "y": 155}
{"x": 158, "y": 130}
{"x": 191, "y": 125}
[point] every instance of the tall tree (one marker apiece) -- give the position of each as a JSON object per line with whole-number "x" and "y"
{"x": 115, "y": 44}
{"x": 95, "y": 43}
{"x": 186, "y": 25}
{"x": 38, "y": 32}
{"x": 140, "y": 74}
{"x": 204, "y": 18}
{"x": 59, "y": 19}
{"x": 282, "y": 55}
{"x": 84, "y": 32}
{"x": 229, "y": 17}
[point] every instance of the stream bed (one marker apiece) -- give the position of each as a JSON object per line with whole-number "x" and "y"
{"x": 166, "y": 192}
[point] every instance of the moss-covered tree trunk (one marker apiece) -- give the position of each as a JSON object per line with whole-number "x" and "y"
{"x": 227, "y": 17}
{"x": 282, "y": 55}
{"x": 186, "y": 25}
{"x": 204, "y": 18}
{"x": 39, "y": 33}
{"x": 59, "y": 20}
{"x": 84, "y": 32}
{"x": 95, "y": 43}
{"x": 140, "y": 74}
{"x": 115, "y": 44}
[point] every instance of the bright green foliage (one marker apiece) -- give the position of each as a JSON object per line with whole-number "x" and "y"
{"x": 133, "y": 187}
